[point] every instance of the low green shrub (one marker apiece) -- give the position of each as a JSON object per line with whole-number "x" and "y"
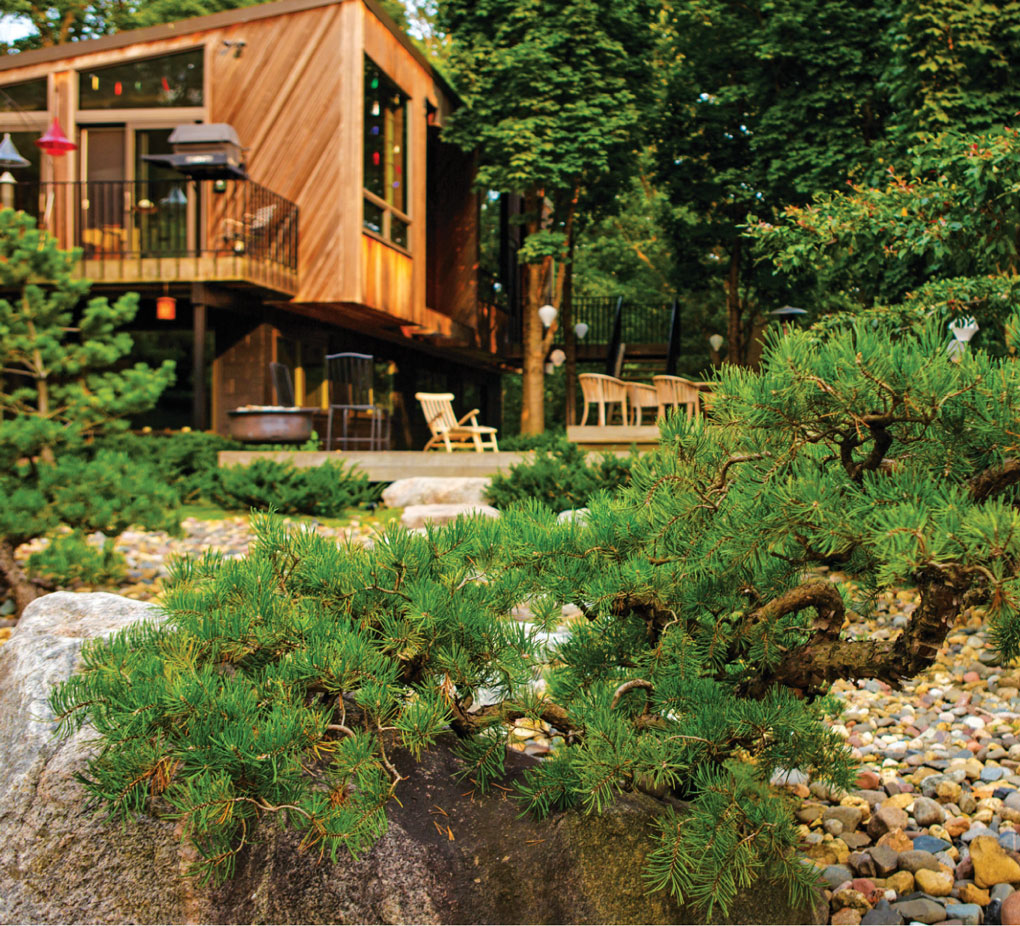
{"x": 547, "y": 440}
{"x": 560, "y": 477}
{"x": 69, "y": 559}
{"x": 188, "y": 460}
{"x": 323, "y": 491}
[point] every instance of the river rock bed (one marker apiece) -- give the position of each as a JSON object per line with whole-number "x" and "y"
{"x": 930, "y": 835}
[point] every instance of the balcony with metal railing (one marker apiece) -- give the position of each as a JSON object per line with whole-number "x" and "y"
{"x": 171, "y": 231}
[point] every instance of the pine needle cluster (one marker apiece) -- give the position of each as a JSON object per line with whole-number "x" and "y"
{"x": 707, "y": 637}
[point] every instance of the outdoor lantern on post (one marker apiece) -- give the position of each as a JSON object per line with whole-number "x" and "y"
{"x": 548, "y": 314}
{"x": 786, "y": 314}
{"x": 55, "y": 142}
{"x": 580, "y": 329}
{"x": 962, "y": 329}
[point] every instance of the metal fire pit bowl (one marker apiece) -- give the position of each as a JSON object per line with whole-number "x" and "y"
{"x": 270, "y": 425}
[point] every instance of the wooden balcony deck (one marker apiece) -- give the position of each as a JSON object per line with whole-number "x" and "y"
{"x": 215, "y": 267}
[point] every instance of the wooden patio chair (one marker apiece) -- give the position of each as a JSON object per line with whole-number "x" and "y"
{"x": 601, "y": 390}
{"x": 451, "y": 432}
{"x": 674, "y": 392}
{"x": 639, "y": 396}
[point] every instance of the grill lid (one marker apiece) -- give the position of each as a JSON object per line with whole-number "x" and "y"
{"x": 204, "y": 151}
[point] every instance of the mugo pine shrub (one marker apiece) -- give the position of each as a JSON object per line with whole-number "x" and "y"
{"x": 279, "y": 686}
{"x": 560, "y": 477}
{"x": 324, "y": 491}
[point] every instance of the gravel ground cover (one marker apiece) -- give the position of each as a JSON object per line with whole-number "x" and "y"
{"x": 932, "y": 832}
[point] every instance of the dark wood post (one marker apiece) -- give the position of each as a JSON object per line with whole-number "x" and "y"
{"x": 200, "y": 403}
{"x": 569, "y": 338}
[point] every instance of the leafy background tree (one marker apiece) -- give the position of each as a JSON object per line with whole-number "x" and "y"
{"x": 556, "y": 96}
{"x": 938, "y": 236}
{"x": 63, "y": 379}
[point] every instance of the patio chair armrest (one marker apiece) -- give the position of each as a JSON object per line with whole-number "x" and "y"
{"x": 470, "y": 415}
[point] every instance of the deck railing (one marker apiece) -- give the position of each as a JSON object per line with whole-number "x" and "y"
{"x": 165, "y": 230}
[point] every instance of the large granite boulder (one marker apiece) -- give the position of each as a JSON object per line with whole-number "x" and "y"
{"x": 436, "y": 490}
{"x": 450, "y": 856}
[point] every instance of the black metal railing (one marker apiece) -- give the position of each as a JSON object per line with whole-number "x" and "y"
{"x": 124, "y": 220}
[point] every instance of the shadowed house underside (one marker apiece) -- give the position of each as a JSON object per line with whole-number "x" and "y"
{"x": 349, "y": 226}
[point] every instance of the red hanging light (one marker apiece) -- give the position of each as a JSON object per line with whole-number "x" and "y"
{"x": 55, "y": 142}
{"x": 166, "y": 308}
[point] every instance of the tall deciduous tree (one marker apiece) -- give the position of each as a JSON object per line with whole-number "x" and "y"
{"x": 555, "y": 95}
{"x": 947, "y": 216}
{"x": 953, "y": 66}
{"x": 765, "y": 104}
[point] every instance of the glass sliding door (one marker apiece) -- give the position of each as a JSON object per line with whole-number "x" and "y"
{"x": 165, "y": 202}
{"x": 103, "y": 227}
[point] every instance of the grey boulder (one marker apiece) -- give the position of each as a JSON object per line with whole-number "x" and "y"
{"x": 477, "y": 863}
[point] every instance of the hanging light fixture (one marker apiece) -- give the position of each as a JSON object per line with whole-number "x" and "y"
{"x": 557, "y": 357}
{"x": 580, "y": 329}
{"x": 548, "y": 314}
{"x": 7, "y": 182}
{"x": 716, "y": 341}
{"x": 55, "y": 142}
{"x": 166, "y": 306}
{"x": 175, "y": 197}
{"x": 10, "y": 157}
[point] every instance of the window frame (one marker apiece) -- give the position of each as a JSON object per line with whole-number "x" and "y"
{"x": 389, "y": 210}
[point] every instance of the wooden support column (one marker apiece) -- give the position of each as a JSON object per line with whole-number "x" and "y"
{"x": 199, "y": 408}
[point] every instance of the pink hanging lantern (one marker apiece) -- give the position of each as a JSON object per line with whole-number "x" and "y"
{"x": 55, "y": 142}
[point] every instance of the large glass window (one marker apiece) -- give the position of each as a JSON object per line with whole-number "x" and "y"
{"x": 170, "y": 80}
{"x": 385, "y": 152}
{"x": 28, "y": 96}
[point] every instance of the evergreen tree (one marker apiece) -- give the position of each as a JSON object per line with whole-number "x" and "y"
{"x": 279, "y": 685}
{"x": 62, "y": 379}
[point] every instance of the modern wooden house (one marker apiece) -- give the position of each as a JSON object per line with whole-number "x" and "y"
{"x": 341, "y": 222}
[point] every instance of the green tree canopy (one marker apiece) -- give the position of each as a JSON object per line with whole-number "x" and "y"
{"x": 556, "y": 98}
{"x": 939, "y": 233}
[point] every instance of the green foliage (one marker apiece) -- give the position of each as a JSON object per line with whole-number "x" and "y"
{"x": 553, "y": 90}
{"x": 69, "y": 559}
{"x": 324, "y": 491}
{"x": 280, "y": 684}
{"x": 952, "y": 66}
{"x": 947, "y": 217}
{"x": 559, "y": 477}
{"x": 65, "y": 379}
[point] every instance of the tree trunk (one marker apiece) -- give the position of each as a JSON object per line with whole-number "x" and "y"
{"x": 14, "y": 577}
{"x": 533, "y": 386}
{"x": 734, "y": 320}
{"x": 569, "y": 338}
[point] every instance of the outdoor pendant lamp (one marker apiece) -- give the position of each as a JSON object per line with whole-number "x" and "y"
{"x": 580, "y": 329}
{"x": 9, "y": 155}
{"x": 55, "y": 142}
{"x": 547, "y": 314}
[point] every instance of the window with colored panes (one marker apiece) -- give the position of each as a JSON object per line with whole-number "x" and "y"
{"x": 385, "y": 150}
{"x": 169, "y": 80}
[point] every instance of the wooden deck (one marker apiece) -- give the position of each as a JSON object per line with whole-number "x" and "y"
{"x": 387, "y": 465}
{"x": 209, "y": 267}
{"x": 614, "y": 437}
